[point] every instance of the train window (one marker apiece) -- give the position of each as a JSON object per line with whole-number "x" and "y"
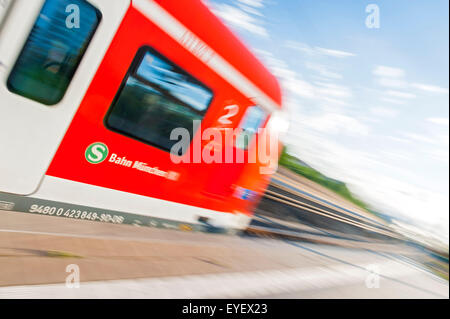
{"x": 53, "y": 50}
{"x": 155, "y": 98}
{"x": 253, "y": 119}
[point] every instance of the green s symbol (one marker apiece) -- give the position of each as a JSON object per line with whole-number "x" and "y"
{"x": 96, "y": 153}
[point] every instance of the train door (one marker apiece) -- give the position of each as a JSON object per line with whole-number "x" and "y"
{"x": 49, "y": 53}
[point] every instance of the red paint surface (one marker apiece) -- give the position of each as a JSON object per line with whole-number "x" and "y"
{"x": 203, "y": 185}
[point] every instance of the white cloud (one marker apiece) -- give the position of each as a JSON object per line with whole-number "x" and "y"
{"x": 333, "y": 90}
{"x": 433, "y": 143}
{"x": 334, "y": 53}
{"x": 399, "y": 139}
{"x": 440, "y": 154}
{"x": 332, "y": 101}
{"x": 400, "y": 94}
{"x": 299, "y": 87}
{"x": 393, "y": 101}
{"x": 325, "y": 92}
{"x": 250, "y": 10}
{"x": 438, "y": 120}
{"x": 306, "y": 49}
{"x": 301, "y": 47}
{"x": 390, "y": 77}
{"x": 335, "y": 123}
{"x": 253, "y": 3}
{"x": 290, "y": 80}
{"x": 420, "y": 138}
{"x": 390, "y": 82}
{"x": 384, "y": 112}
{"x": 251, "y": 6}
{"x": 246, "y": 18}
{"x": 430, "y": 88}
{"x": 390, "y": 72}
{"x": 322, "y": 70}
{"x": 394, "y": 78}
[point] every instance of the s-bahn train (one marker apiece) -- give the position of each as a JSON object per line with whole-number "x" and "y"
{"x": 91, "y": 92}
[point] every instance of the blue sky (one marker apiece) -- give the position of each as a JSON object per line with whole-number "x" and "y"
{"x": 368, "y": 106}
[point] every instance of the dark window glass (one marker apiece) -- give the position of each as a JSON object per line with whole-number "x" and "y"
{"x": 253, "y": 119}
{"x": 54, "y": 50}
{"x": 155, "y": 98}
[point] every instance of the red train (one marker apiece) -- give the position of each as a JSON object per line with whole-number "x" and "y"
{"x": 92, "y": 92}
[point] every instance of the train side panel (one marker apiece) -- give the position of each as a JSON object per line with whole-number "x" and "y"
{"x": 114, "y": 159}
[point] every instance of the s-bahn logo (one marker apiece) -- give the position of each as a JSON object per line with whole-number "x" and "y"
{"x": 96, "y": 153}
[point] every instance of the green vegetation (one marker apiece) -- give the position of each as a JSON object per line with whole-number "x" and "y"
{"x": 297, "y": 166}
{"x": 439, "y": 268}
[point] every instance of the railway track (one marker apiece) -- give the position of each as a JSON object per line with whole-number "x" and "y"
{"x": 286, "y": 210}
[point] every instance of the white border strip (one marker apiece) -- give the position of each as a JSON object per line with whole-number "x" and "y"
{"x": 224, "y": 285}
{"x": 71, "y": 192}
{"x": 201, "y": 50}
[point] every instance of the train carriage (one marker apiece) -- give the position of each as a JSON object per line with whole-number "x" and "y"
{"x": 92, "y": 93}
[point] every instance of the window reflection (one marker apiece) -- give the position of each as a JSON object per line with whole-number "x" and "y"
{"x": 158, "y": 97}
{"x": 253, "y": 119}
{"x": 53, "y": 51}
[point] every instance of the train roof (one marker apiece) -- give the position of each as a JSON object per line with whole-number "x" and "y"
{"x": 198, "y": 18}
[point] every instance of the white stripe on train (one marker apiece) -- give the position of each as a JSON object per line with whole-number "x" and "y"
{"x": 175, "y": 29}
{"x": 67, "y": 191}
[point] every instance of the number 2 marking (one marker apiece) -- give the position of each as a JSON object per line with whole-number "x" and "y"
{"x": 232, "y": 111}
